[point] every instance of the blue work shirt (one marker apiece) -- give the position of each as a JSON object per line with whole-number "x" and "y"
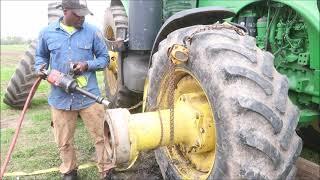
{"x": 57, "y": 49}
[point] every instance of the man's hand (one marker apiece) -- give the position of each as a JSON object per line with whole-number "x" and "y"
{"x": 41, "y": 72}
{"x": 80, "y": 67}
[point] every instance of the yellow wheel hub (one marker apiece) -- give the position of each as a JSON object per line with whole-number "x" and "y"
{"x": 194, "y": 157}
{"x": 109, "y": 34}
{"x": 188, "y": 137}
{"x": 111, "y": 73}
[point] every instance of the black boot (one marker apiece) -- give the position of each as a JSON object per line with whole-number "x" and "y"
{"x": 108, "y": 175}
{"x": 72, "y": 175}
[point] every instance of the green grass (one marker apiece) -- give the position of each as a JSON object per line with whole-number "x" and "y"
{"x": 6, "y": 73}
{"x": 36, "y": 149}
{"x": 17, "y": 47}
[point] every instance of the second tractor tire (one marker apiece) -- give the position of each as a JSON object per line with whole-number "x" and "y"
{"x": 116, "y": 27}
{"x": 22, "y": 80}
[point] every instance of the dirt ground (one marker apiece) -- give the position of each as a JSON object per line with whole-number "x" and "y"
{"x": 9, "y": 121}
{"x": 10, "y": 58}
{"x": 146, "y": 167}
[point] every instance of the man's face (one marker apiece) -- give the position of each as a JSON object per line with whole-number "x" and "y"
{"x": 71, "y": 19}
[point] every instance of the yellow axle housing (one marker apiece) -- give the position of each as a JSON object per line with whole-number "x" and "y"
{"x": 128, "y": 134}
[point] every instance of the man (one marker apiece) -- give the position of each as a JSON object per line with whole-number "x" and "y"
{"x": 71, "y": 43}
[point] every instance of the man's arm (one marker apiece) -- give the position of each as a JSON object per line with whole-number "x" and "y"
{"x": 42, "y": 53}
{"x": 101, "y": 53}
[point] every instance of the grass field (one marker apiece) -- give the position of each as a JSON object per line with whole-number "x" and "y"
{"x": 36, "y": 149}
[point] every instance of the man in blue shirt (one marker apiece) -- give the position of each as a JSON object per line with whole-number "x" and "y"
{"x": 71, "y": 42}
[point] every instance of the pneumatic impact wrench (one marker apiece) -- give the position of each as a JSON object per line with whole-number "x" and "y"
{"x": 69, "y": 85}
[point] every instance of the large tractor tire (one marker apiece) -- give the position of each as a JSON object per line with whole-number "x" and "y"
{"x": 22, "y": 80}
{"x": 115, "y": 28}
{"x": 253, "y": 118}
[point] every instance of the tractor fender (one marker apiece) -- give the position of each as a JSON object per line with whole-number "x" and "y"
{"x": 190, "y": 17}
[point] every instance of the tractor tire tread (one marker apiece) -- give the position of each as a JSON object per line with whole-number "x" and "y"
{"x": 257, "y": 141}
{"x": 263, "y": 110}
{"x": 281, "y": 101}
{"x": 249, "y": 74}
{"x": 237, "y": 49}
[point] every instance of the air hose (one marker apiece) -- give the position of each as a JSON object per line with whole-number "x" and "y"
{"x": 21, "y": 118}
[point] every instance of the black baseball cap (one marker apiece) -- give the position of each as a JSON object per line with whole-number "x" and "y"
{"x": 79, "y": 7}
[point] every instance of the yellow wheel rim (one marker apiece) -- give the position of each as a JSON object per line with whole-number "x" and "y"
{"x": 111, "y": 72}
{"x": 111, "y": 81}
{"x": 109, "y": 34}
{"x": 191, "y": 165}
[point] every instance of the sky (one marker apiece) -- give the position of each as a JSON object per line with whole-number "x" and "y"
{"x": 26, "y": 18}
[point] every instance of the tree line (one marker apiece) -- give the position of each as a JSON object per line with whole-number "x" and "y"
{"x": 14, "y": 40}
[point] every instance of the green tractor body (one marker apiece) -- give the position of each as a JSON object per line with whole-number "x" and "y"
{"x": 287, "y": 29}
{"x": 219, "y": 100}
{"x": 293, "y": 37}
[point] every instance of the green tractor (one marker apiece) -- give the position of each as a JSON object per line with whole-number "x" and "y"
{"x": 223, "y": 84}
{"x": 247, "y": 73}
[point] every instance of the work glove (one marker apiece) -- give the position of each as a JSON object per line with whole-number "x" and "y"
{"x": 40, "y": 73}
{"x": 80, "y": 67}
